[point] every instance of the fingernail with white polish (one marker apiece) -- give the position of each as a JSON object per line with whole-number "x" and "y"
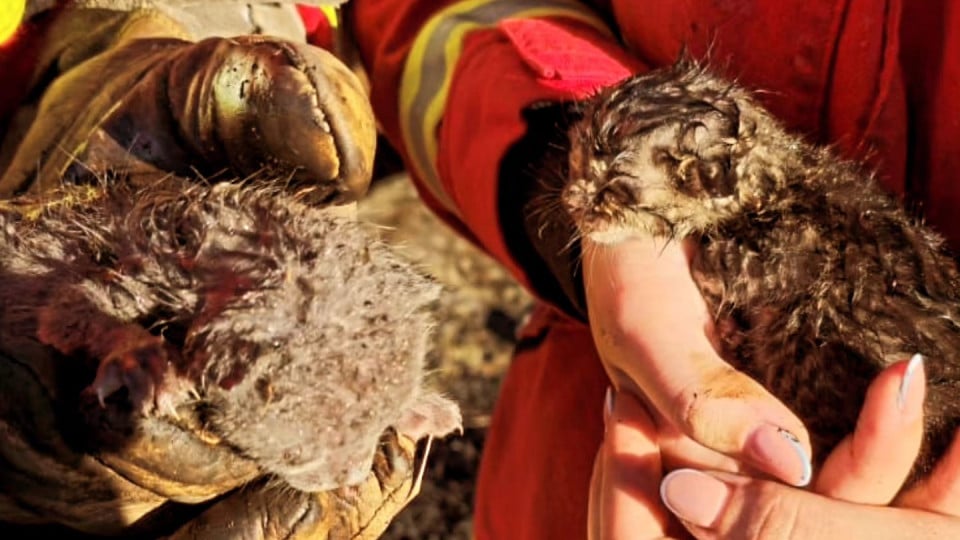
{"x": 607, "y": 407}
{"x": 693, "y": 496}
{"x": 807, "y": 468}
{"x": 774, "y": 446}
{"x": 908, "y": 374}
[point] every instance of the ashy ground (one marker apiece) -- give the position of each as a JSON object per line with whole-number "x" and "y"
{"x": 478, "y": 315}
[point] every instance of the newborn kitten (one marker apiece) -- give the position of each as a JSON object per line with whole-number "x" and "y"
{"x": 817, "y": 278}
{"x": 297, "y": 334}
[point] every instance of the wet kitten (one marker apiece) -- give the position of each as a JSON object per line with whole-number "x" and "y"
{"x": 818, "y": 278}
{"x": 298, "y": 335}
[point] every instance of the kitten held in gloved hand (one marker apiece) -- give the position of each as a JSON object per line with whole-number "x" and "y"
{"x": 297, "y": 336}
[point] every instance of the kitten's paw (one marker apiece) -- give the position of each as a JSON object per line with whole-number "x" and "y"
{"x": 431, "y": 415}
{"x": 142, "y": 364}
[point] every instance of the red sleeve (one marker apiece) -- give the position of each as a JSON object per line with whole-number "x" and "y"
{"x": 320, "y": 29}
{"x": 500, "y": 70}
{"x": 930, "y": 55}
{"x": 18, "y": 56}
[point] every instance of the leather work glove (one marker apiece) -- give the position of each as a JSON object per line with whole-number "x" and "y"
{"x": 130, "y": 93}
{"x": 69, "y": 467}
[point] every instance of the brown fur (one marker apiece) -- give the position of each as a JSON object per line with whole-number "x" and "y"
{"x": 820, "y": 278}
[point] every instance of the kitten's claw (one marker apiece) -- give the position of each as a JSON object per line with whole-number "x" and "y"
{"x": 141, "y": 364}
{"x": 107, "y": 382}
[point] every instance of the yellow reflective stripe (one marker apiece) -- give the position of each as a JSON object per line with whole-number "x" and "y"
{"x": 428, "y": 72}
{"x": 332, "y": 15}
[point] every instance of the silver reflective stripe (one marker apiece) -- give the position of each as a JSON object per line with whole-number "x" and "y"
{"x": 430, "y": 65}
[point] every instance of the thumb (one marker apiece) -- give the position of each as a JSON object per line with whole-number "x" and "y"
{"x": 653, "y": 332}
{"x": 722, "y": 505}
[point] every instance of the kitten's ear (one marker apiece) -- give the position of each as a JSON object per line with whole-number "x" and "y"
{"x": 431, "y": 414}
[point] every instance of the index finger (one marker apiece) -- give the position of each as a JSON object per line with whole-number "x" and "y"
{"x": 624, "y": 498}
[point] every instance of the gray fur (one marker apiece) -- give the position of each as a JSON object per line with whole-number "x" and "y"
{"x": 299, "y": 335}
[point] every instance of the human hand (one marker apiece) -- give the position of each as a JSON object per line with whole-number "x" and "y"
{"x": 627, "y": 471}
{"x": 654, "y": 335}
{"x": 863, "y": 473}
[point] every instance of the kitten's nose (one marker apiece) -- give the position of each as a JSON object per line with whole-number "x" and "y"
{"x": 577, "y": 196}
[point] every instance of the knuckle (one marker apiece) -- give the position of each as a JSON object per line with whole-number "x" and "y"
{"x": 687, "y": 402}
{"x": 698, "y": 419}
{"x": 774, "y": 515}
{"x": 715, "y": 383}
